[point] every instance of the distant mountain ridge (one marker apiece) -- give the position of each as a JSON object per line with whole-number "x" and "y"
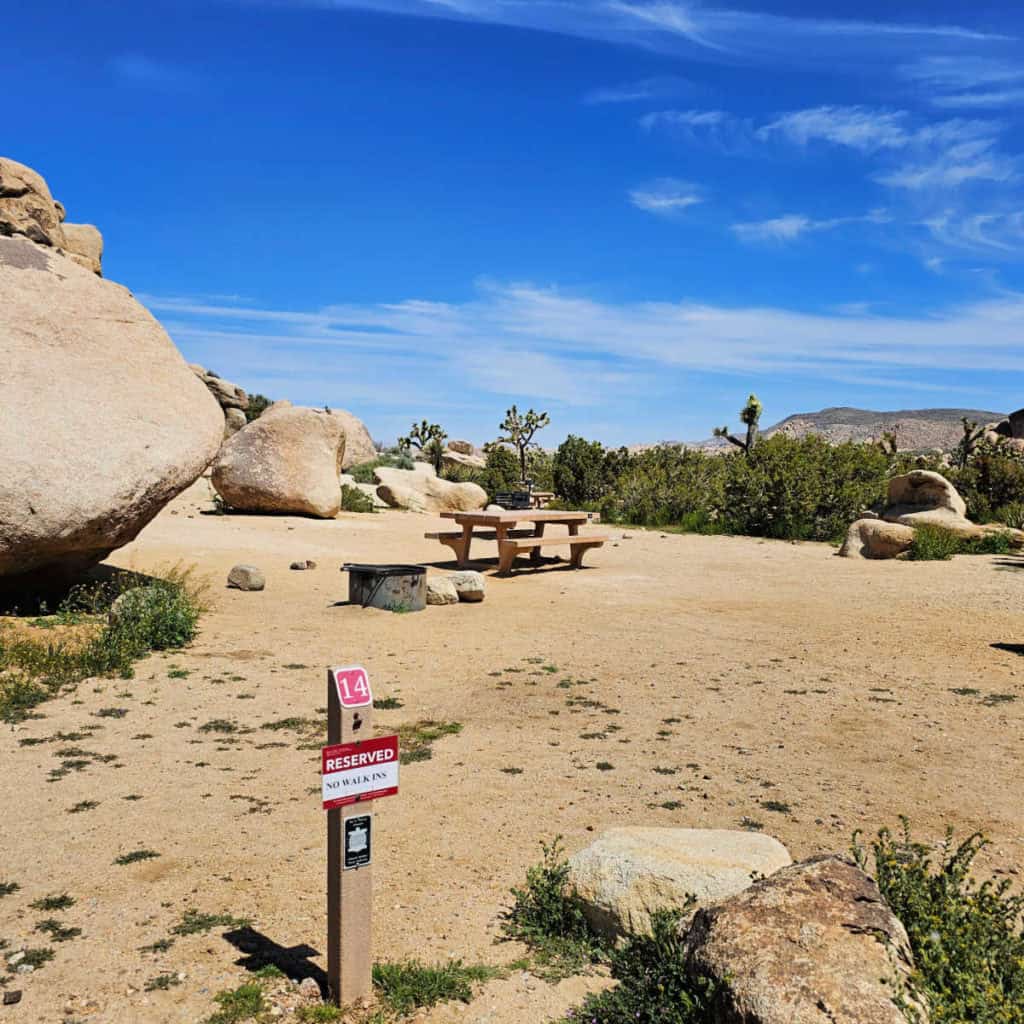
{"x": 915, "y": 429}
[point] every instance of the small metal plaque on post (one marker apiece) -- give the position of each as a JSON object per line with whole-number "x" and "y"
{"x": 358, "y": 841}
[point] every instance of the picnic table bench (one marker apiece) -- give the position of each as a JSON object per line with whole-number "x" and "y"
{"x": 502, "y": 527}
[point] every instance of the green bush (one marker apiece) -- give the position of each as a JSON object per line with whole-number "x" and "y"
{"x": 934, "y": 544}
{"x": 162, "y": 613}
{"x": 258, "y": 404}
{"x": 994, "y": 479}
{"x": 501, "y": 470}
{"x": 392, "y": 459}
{"x": 1011, "y": 515}
{"x": 354, "y": 500}
{"x": 548, "y": 917}
{"x": 653, "y": 986}
{"x": 967, "y": 940}
{"x": 579, "y": 472}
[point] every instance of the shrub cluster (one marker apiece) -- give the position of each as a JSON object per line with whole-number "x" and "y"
{"x": 119, "y": 622}
{"x": 393, "y": 458}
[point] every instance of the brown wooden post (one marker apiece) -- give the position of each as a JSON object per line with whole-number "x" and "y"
{"x": 349, "y": 893}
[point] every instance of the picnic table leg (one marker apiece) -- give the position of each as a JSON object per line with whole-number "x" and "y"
{"x": 463, "y": 553}
{"x": 538, "y": 531}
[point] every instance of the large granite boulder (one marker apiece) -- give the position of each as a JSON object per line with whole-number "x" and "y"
{"x": 628, "y": 873}
{"x": 921, "y": 496}
{"x": 287, "y": 461}
{"x": 359, "y": 446}
{"x": 452, "y": 458}
{"x": 875, "y": 538}
{"x": 228, "y": 395}
{"x": 422, "y": 490}
{"x": 814, "y": 943}
{"x": 102, "y": 422}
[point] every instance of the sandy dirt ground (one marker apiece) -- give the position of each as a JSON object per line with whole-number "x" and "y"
{"x": 680, "y": 680}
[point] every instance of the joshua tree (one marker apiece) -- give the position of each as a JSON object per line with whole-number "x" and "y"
{"x": 750, "y": 414}
{"x": 969, "y": 442}
{"x": 428, "y": 439}
{"x": 518, "y": 430}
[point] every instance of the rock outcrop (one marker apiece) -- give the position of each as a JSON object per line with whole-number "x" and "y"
{"x": 814, "y": 943}
{"x": 232, "y": 399}
{"x": 875, "y": 538}
{"x": 102, "y": 421}
{"x": 422, "y": 490}
{"x": 359, "y": 446}
{"x": 287, "y": 461}
{"x": 27, "y": 208}
{"x": 627, "y": 874}
{"x": 916, "y": 499}
{"x": 370, "y": 490}
{"x": 452, "y": 458}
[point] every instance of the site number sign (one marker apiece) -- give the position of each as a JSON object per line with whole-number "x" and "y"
{"x": 364, "y": 770}
{"x": 353, "y": 685}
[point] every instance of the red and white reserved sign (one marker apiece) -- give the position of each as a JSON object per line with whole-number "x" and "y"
{"x": 353, "y": 685}
{"x": 351, "y": 772}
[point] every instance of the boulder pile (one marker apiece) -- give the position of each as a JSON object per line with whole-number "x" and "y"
{"x": 915, "y": 499}
{"x": 1009, "y": 432}
{"x": 103, "y": 423}
{"x": 27, "y": 209}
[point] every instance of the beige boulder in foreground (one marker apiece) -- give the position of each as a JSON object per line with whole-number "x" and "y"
{"x": 441, "y": 590}
{"x": 875, "y": 538}
{"x": 814, "y": 943}
{"x": 628, "y": 873}
{"x": 102, "y": 421}
{"x": 287, "y": 461}
{"x": 422, "y": 490}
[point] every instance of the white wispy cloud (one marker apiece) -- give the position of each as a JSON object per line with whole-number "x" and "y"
{"x": 666, "y": 196}
{"x": 586, "y": 351}
{"x": 791, "y": 226}
{"x": 645, "y": 89}
{"x": 967, "y": 81}
{"x": 857, "y": 127}
{"x": 138, "y": 69}
{"x": 688, "y": 29}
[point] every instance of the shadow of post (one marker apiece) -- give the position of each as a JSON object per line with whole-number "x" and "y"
{"x": 292, "y": 961}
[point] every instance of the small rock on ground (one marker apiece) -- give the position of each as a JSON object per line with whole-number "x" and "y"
{"x": 246, "y": 577}
{"x": 469, "y": 585}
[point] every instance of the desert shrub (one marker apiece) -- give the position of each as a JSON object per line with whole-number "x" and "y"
{"x": 579, "y": 472}
{"x": 801, "y": 488}
{"x": 966, "y": 937}
{"x": 548, "y": 917}
{"x": 458, "y": 474}
{"x": 163, "y": 613}
{"x": 667, "y": 484}
{"x": 992, "y": 480}
{"x": 540, "y": 468}
{"x": 258, "y": 404}
{"x": 391, "y": 458}
{"x": 1011, "y": 515}
{"x": 934, "y": 544}
{"x": 998, "y": 542}
{"x": 653, "y": 986}
{"x": 354, "y": 500}
{"x": 501, "y": 469}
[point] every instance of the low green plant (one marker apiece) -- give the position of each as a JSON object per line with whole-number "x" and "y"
{"x": 354, "y": 500}
{"x": 238, "y": 1004}
{"x": 58, "y": 932}
{"x": 653, "y": 984}
{"x": 161, "y": 613}
{"x": 934, "y": 544}
{"x": 409, "y": 985}
{"x": 37, "y": 957}
{"x": 547, "y": 915}
{"x": 966, "y": 937}
{"x": 8, "y": 888}
{"x": 134, "y": 856}
{"x": 57, "y": 902}
{"x": 162, "y": 982}
{"x": 195, "y": 922}
{"x": 416, "y": 739}
{"x": 1011, "y": 515}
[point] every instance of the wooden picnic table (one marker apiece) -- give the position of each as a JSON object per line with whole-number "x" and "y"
{"x": 503, "y": 523}
{"x": 541, "y": 498}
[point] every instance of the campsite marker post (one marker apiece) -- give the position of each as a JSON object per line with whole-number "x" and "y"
{"x": 357, "y": 768}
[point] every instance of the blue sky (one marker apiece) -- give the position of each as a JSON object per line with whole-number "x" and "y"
{"x": 630, "y": 213}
